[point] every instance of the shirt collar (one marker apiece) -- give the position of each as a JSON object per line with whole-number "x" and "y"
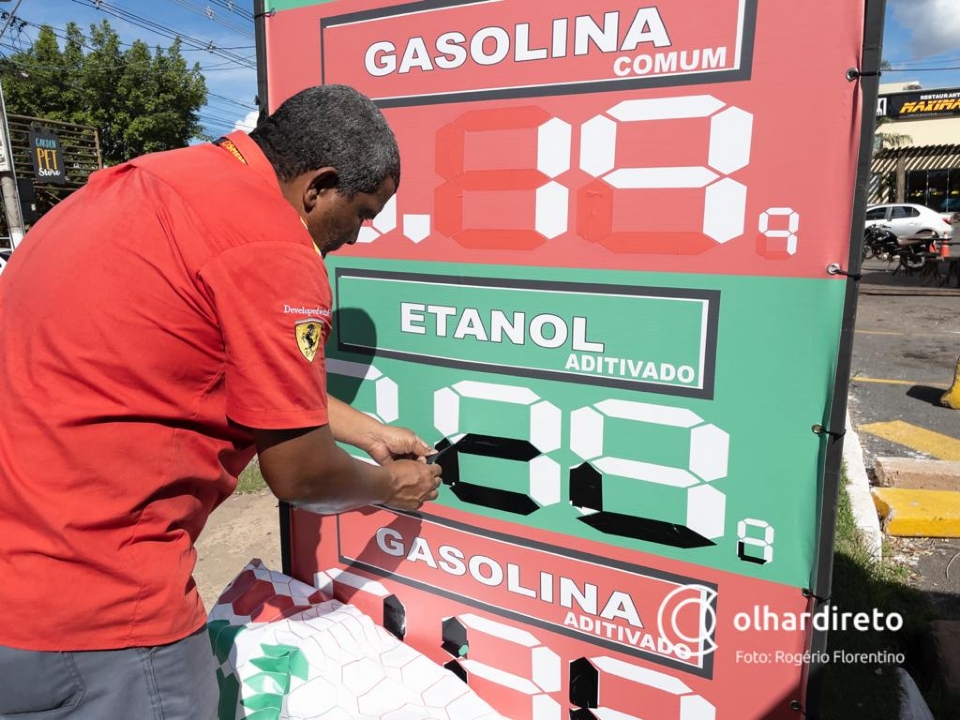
{"x": 254, "y": 157}
{"x": 256, "y": 160}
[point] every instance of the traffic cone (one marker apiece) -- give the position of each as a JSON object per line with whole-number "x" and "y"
{"x": 951, "y": 398}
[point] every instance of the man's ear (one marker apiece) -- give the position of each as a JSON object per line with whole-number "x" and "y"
{"x": 319, "y": 184}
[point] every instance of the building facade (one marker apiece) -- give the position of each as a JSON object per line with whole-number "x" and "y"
{"x": 917, "y": 147}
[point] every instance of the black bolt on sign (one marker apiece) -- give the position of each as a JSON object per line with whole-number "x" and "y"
{"x": 47, "y": 157}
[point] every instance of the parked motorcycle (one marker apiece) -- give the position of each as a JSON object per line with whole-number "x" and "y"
{"x": 879, "y": 241}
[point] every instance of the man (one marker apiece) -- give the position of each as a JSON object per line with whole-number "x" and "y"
{"x": 157, "y": 328}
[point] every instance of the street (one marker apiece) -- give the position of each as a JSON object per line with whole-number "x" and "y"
{"x": 905, "y": 351}
{"x": 904, "y": 355}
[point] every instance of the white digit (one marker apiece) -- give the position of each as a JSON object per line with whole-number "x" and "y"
{"x": 543, "y": 431}
{"x": 553, "y": 157}
{"x": 731, "y": 132}
{"x": 384, "y": 222}
{"x": 709, "y": 451}
{"x": 551, "y": 198}
{"x": 515, "y": 661}
{"x": 765, "y": 543}
{"x": 790, "y": 232}
{"x": 416, "y": 227}
{"x": 387, "y": 404}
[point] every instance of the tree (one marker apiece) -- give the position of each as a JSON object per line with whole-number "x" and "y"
{"x": 894, "y": 188}
{"x": 891, "y": 187}
{"x": 140, "y": 101}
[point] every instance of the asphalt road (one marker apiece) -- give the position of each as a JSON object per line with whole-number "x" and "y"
{"x": 905, "y": 351}
{"x": 906, "y": 347}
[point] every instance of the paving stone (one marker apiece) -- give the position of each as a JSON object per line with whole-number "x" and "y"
{"x": 918, "y": 474}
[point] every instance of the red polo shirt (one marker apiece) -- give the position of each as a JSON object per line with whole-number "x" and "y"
{"x": 145, "y": 323}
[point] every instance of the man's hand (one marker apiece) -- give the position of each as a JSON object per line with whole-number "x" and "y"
{"x": 305, "y": 466}
{"x": 384, "y": 443}
{"x": 388, "y": 443}
{"x": 412, "y": 484}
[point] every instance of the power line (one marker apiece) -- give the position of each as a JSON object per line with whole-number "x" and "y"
{"x": 231, "y": 6}
{"x": 216, "y": 118}
{"x": 9, "y": 17}
{"x": 61, "y": 33}
{"x": 221, "y": 67}
{"x": 167, "y": 32}
{"x": 947, "y": 56}
{"x": 921, "y": 69}
{"x": 235, "y": 47}
{"x": 208, "y": 12}
{"x": 929, "y": 61}
{"x": 207, "y": 119}
{"x": 9, "y": 44}
{"x": 231, "y": 101}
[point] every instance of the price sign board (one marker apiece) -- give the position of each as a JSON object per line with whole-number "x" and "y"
{"x": 601, "y": 291}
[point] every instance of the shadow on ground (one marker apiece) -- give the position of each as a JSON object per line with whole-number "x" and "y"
{"x": 927, "y": 394}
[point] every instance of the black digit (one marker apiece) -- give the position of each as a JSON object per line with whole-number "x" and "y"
{"x": 586, "y": 491}
{"x": 474, "y": 493}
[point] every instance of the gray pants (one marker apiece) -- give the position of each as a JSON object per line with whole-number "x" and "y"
{"x": 167, "y": 682}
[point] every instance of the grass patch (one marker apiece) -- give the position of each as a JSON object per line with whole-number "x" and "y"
{"x": 860, "y": 584}
{"x": 250, "y": 480}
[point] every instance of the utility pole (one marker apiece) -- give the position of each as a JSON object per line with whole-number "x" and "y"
{"x": 8, "y": 182}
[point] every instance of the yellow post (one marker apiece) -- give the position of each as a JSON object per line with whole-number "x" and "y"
{"x": 951, "y": 398}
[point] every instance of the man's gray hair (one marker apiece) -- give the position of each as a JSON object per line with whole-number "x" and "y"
{"x": 331, "y": 126}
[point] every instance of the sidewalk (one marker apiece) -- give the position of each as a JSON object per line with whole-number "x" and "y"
{"x": 242, "y": 528}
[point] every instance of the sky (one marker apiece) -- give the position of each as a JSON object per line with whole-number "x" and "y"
{"x": 921, "y": 42}
{"x": 231, "y": 77}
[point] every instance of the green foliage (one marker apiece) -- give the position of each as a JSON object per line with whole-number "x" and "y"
{"x": 250, "y": 480}
{"x": 140, "y": 101}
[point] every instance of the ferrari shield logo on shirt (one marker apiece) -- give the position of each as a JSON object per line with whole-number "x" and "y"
{"x": 309, "y": 334}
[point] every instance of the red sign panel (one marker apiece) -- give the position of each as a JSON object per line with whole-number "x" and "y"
{"x": 537, "y": 584}
{"x": 403, "y": 54}
{"x": 677, "y": 158}
{"x": 543, "y": 631}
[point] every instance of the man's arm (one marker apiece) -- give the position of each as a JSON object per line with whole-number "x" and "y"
{"x": 384, "y": 443}
{"x": 305, "y": 465}
{"x": 349, "y": 425}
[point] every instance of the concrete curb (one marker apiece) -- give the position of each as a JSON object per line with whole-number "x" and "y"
{"x": 914, "y": 291}
{"x": 919, "y": 513}
{"x": 858, "y": 489}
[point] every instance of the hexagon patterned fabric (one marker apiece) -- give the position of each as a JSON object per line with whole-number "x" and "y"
{"x": 289, "y": 651}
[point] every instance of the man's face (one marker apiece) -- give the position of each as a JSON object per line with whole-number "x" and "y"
{"x": 336, "y": 220}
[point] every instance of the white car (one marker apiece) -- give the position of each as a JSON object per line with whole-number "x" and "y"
{"x": 950, "y": 210}
{"x": 910, "y": 223}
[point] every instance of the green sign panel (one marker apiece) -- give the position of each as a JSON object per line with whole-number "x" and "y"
{"x": 660, "y": 340}
{"x": 698, "y": 479}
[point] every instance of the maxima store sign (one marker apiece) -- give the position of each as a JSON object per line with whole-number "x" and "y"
{"x": 920, "y": 104}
